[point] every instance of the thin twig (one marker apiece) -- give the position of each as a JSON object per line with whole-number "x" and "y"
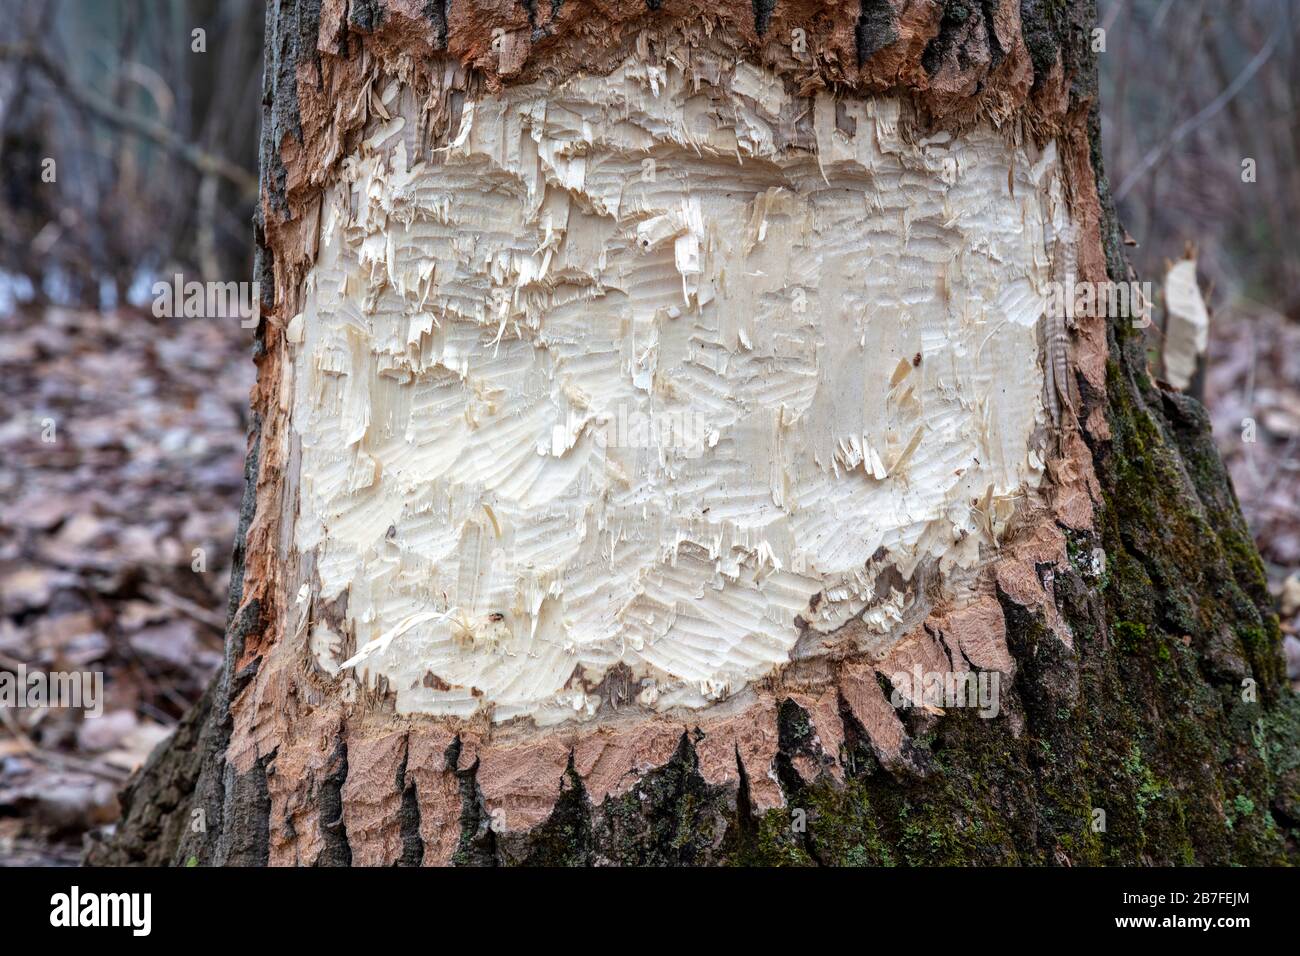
{"x": 1193, "y": 123}
{"x": 187, "y": 607}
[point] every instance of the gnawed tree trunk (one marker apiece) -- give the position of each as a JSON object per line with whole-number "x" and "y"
{"x": 647, "y": 395}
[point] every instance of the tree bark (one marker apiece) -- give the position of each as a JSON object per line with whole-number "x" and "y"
{"x": 1088, "y": 562}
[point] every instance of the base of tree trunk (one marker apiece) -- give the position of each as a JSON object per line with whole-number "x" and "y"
{"x": 1144, "y": 716}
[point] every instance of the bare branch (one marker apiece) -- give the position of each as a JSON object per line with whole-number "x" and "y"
{"x": 106, "y": 111}
{"x": 1194, "y": 123}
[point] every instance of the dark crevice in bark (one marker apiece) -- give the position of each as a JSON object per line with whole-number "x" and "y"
{"x": 1040, "y": 26}
{"x": 412, "y": 844}
{"x": 263, "y": 271}
{"x": 968, "y": 35}
{"x": 222, "y": 805}
{"x": 292, "y": 27}
{"x": 478, "y": 840}
{"x": 248, "y": 671}
{"x": 334, "y": 832}
{"x": 858, "y": 757}
{"x": 435, "y": 11}
{"x": 247, "y": 507}
{"x": 565, "y": 838}
{"x": 409, "y": 815}
{"x": 671, "y": 817}
{"x": 917, "y": 721}
{"x": 876, "y": 28}
{"x": 244, "y": 837}
{"x": 763, "y": 15}
{"x": 796, "y": 737}
{"x": 1046, "y": 682}
{"x": 746, "y": 822}
{"x": 916, "y": 762}
{"x": 997, "y": 54}
{"x": 952, "y": 27}
{"x": 365, "y": 15}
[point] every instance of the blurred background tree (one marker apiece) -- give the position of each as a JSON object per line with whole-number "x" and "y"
{"x": 1190, "y": 89}
{"x": 152, "y": 128}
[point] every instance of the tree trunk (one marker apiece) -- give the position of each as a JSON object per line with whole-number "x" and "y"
{"x": 671, "y": 447}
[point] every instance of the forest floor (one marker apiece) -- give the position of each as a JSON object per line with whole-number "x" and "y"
{"x": 122, "y": 442}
